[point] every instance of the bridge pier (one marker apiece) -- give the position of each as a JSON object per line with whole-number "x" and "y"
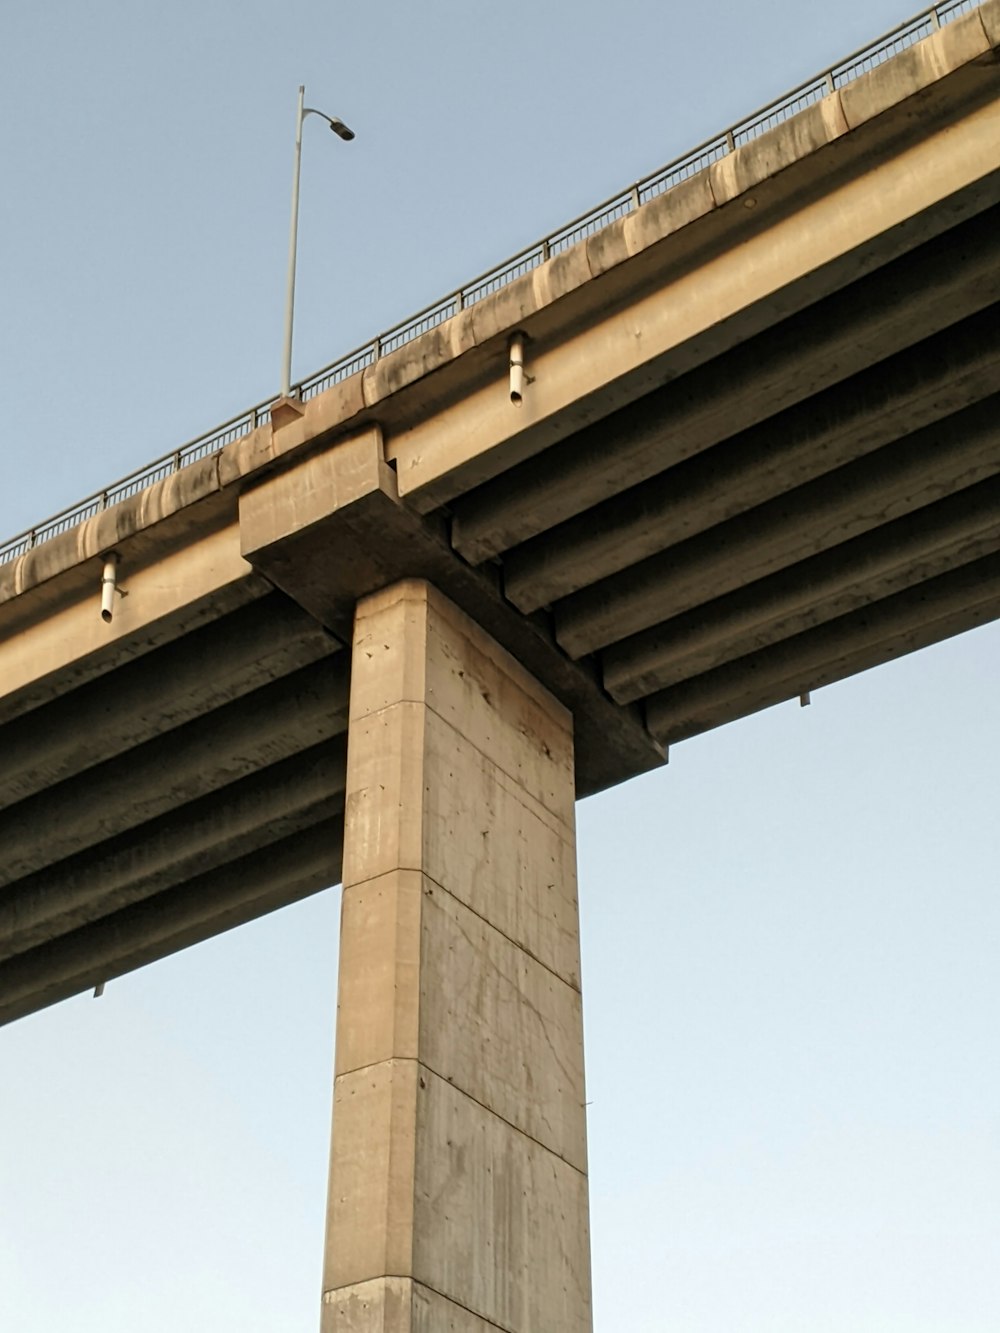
{"x": 458, "y": 1185}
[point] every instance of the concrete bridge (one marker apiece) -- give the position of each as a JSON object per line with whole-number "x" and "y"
{"x": 390, "y": 635}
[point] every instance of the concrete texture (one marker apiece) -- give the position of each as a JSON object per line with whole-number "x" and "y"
{"x": 48, "y": 646}
{"x": 798, "y": 261}
{"x": 826, "y": 513}
{"x": 331, "y": 529}
{"x": 932, "y": 611}
{"x": 186, "y": 679}
{"x": 888, "y": 112}
{"x": 898, "y": 395}
{"x": 893, "y": 558}
{"x": 398, "y": 1305}
{"x": 757, "y": 451}
{"x": 204, "y": 905}
{"x": 237, "y": 821}
{"x": 458, "y": 1166}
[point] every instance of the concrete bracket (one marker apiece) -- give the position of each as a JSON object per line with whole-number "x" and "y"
{"x": 286, "y": 410}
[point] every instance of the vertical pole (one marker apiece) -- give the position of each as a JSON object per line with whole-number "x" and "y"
{"x": 286, "y": 360}
{"x": 458, "y": 1179}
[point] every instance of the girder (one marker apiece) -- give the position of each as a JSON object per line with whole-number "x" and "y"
{"x": 757, "y": 451}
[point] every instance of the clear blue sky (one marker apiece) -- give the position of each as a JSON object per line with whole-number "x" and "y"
{"x": 790, "y": 935}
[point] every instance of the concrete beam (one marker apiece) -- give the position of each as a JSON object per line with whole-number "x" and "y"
{"x": 896, "y": 480}
{"x": 202, "y": 836}
{"x": 238, "y": 892}
{"x": 841, "y": 233}
{"x": 915, "y": 297}
{"x": 51, "y": 646}
{"x": 893, "y": 398}
{"x": 736, "y": 203}
{"x": 955, "y": 532}
{"x": 279, "y": 720}
{"x": 185, "y": 679}
{"x": 923, "y": 615}
{"x": 332, "y": 530}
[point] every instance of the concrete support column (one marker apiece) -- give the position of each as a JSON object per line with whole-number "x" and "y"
{"x": 458, "y": 1187}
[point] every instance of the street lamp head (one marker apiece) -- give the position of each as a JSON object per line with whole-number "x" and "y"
{"x": 340, "y": 129}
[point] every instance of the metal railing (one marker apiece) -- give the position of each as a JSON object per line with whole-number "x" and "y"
{"x": 626, "y": 201}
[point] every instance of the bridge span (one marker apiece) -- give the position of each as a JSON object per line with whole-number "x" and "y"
{"x": 393, "y": 632}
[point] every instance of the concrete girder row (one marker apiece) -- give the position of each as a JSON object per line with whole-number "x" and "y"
{"x": 914, "y": 388}
{"x": 895, "y": 480}
{"x": 860, "y": 573}
{"x": 53, "y": 640}
{"x": 677, "y": 343}
{"x": 279, "y": 720}
{"x": 236, "y": 892}
{"x": 232, "y": 813}
{"x": 950, "y": 604}
{"x": 921, "y": 193}
{"x": 190, "y": 840}
{"x": 186, "y": 679}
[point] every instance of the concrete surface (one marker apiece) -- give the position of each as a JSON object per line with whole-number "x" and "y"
{"x": 458, "y": 1165}
{"x": 757, "y": 452}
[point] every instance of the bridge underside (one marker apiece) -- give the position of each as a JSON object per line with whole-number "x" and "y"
{"x": 194, "y": 788}
{"x": 804, "y": 509}
{"x": 814, "y": 499}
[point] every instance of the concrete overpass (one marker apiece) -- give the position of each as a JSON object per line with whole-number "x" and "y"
{"x": 390, "y": 634}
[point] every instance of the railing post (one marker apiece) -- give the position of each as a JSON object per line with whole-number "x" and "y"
{"x": 636, "y": 200}
{"x": 377, "y": 348}
{"x": 730, "y": 142}
{"x": 831, "y": 86}
{"x": 935, "y": 18}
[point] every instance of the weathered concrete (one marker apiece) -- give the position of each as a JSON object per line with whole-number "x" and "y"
{"x": 189, "y": 841}
{"x": 916, "y": 296}
{"x": 803, "y": 256}
{"x": 820, "y": 589}
{"x": 331, "y": 529}
{"x": 889, "y": 112}
{"x": 458, "y": 1194}
{"x": 206, "y": 905}
{"x": 757, "y": 450}
{"x": 895, "y": 397}
{"x": 950, "y": 604}
{"x": 226, "y": 659}
{"x": 828, "y": 512}
{"x": 52, "y": 638}
{"x": 190, "y": 762}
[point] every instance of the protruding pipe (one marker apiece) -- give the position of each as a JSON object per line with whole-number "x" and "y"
{"x": 517, "y": 368}
{"x": 109, "y": 585}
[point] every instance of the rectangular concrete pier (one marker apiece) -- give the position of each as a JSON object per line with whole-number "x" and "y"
{"x": 458, "y": 1190}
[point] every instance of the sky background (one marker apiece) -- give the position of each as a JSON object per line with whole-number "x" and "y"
{"x": 789, "y": 935}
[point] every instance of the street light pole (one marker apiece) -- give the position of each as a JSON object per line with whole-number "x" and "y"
{"x": 286, "y": 362}
{"x": 342, "y": 132}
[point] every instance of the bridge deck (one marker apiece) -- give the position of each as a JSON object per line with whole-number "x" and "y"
{"x": 758, "y": 451}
